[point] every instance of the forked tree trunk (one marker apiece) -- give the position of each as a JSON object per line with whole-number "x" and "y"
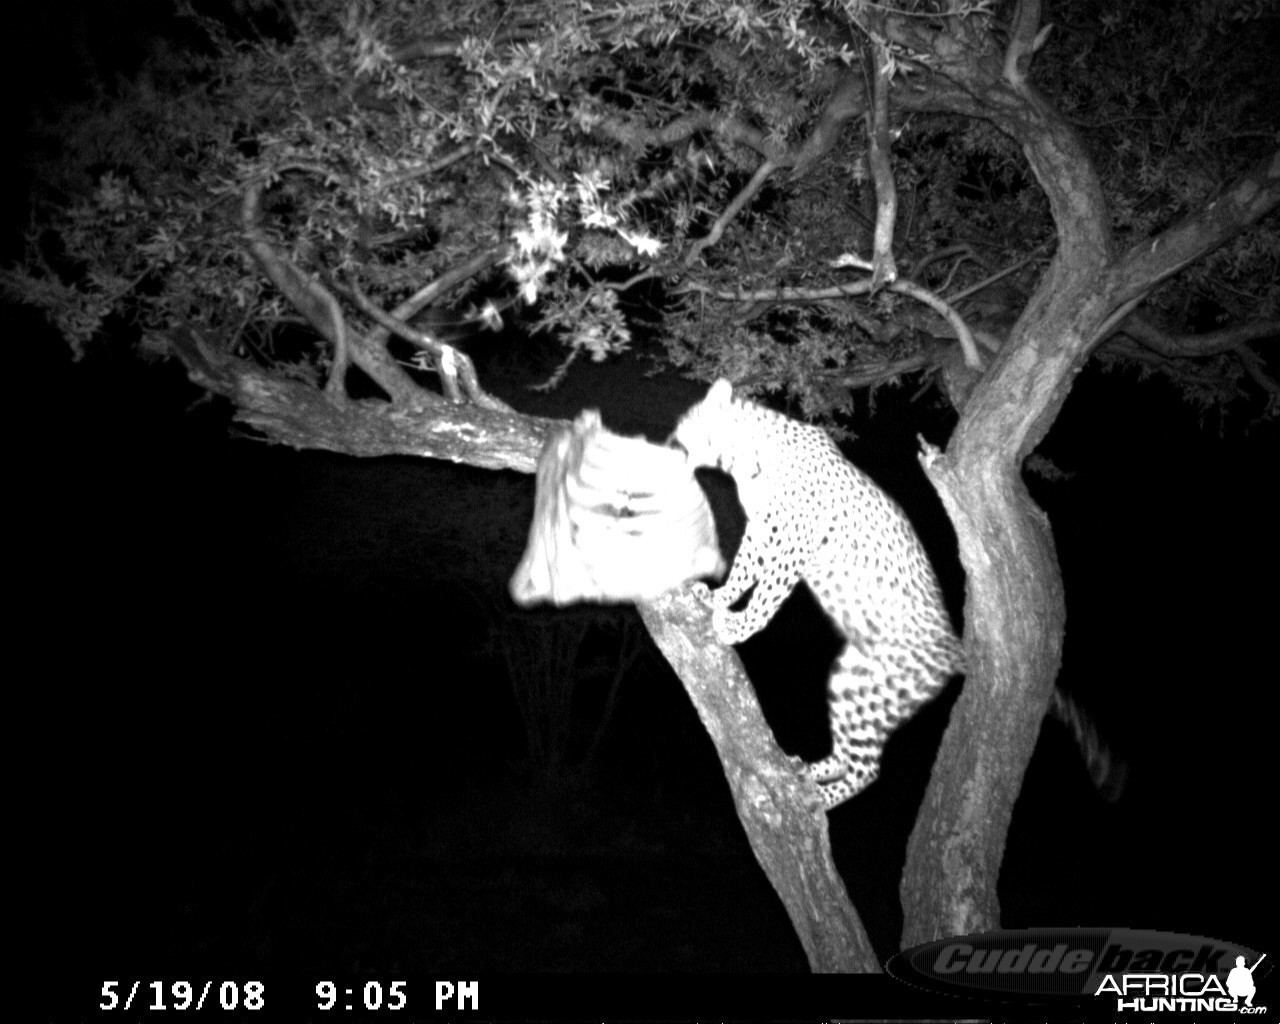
{"x": 1014, "y": 610}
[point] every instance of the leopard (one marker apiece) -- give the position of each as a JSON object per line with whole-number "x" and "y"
{"x": 814, "y": 517}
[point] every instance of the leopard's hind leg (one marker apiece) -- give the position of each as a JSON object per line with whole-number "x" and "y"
{"x": 871, "y": 691}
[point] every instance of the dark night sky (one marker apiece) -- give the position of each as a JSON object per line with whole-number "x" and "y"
{"x": 273, "y": 702}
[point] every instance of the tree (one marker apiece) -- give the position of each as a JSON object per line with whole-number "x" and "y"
{"x": 808, "y": 200}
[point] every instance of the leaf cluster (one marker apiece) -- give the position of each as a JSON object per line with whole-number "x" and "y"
{"x": 597, "y": 148}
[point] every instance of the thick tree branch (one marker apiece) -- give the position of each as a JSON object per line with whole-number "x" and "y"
{"x": 1196, "y": 346}
{"x": 1208, "y": 362}
{"x": 295, "y": 413}
{"x": 1015, "y": 607}
{"x": 1148, "y": 263}
{"x": 769, "y": 793}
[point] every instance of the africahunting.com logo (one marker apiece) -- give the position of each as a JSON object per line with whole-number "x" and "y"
{"x": 1129, "y": 971}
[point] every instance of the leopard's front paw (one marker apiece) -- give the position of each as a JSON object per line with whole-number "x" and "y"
{"x": 701, "y": 591}
{"x": 727, "y": 626}
{"x": 814, "y": 798}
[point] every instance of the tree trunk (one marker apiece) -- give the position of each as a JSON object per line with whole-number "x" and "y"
{"x": 1015, "y": 606}
{"x": 775, "y": 805}
{"x": 1015, "y": 611}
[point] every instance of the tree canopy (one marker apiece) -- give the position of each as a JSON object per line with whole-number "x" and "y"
{"x": 694, "y": 169}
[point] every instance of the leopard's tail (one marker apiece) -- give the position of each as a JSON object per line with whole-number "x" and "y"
{"x": 1108, "y": 772}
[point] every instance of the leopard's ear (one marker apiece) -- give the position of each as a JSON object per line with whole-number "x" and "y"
{"x": 721, "y": 392}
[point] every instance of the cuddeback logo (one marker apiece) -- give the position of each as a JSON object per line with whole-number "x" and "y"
{"x": 1151, "y": 972}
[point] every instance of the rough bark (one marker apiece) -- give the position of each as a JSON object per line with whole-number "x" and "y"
{"x": 1015, "y": 610}
{"x": 297, "y": 414}
{"x": 787, "y": 835}
{"x": 777, "y": 808}
{"x": 1015, "y": 606}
